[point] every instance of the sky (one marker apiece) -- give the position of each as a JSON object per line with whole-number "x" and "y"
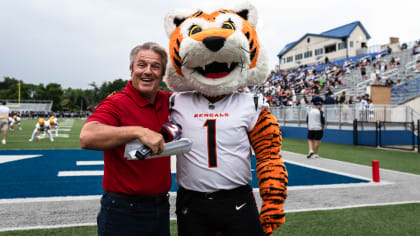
{"x": 78, "y": 42}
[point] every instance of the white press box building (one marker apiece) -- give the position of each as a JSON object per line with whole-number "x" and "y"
{"x": 342, "y": 42}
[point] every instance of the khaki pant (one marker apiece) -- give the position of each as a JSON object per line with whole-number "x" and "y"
{"x": 4, "y": 124}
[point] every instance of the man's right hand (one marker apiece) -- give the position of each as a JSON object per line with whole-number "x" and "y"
{"x": 153, "y": 140}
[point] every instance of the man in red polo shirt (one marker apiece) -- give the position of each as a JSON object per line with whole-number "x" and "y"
{"x": 135, "y": 201}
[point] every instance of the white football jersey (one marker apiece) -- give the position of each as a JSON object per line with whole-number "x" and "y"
{"x": 54, "y": 122}
{"x": 43, "y": 127}
{"x": 15, "y": 121}
{"x": 220, "y": 157}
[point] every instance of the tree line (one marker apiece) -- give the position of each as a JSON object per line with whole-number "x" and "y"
{"x": 63, "y": 99}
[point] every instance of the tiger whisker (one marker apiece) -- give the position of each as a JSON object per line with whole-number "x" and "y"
{"x": 247, "y": 51}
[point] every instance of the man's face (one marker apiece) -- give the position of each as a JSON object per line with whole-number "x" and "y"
{"x": 146, "y": 73}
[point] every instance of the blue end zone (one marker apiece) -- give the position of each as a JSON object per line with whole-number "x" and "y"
{"x": 37, "y": 177}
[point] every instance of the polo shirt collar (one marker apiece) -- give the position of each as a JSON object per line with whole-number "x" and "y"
{"x": 138, "y": 98}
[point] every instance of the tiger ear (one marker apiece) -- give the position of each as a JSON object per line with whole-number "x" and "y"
{"x": 174, "y": 19}
{"x": 248, "y": 12}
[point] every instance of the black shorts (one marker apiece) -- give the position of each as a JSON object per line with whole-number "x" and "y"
{"x": 230, "y": 212}
{"x": 315, "y": 134}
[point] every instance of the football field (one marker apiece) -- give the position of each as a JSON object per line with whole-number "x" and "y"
{"x": 53, "y": 188}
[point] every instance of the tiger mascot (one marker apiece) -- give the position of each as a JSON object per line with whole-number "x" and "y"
{"x": 212, "y": 54}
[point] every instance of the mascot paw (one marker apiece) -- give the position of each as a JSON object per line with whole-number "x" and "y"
{"x": 269, "y": 228}
{"x": 272, "y": 216}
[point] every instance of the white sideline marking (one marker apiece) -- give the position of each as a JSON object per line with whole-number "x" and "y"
{"x": 47, "y": 227}
{"x": 10, "y": 158}
{"x": 351, "y": 206}
{"x": 57, "y": 199}
{"x": 88, "y": 163}
{"x": 80, "y": 173}
{"x": 50, "y": 199}
{"x": 327, "y": 170}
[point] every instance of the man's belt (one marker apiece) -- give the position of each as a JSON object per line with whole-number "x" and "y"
{"x": 221, "y": 194}
{"x": 139, "y": 198}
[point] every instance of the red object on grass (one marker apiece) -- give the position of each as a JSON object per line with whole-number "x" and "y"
{"x": 375, "y": 171}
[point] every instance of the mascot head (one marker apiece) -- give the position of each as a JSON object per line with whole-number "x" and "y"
{"x": 214, "y": 52}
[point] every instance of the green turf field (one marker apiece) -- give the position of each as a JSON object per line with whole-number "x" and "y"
{"x": 380, "y": 220}
{"x": 18, "y": 139}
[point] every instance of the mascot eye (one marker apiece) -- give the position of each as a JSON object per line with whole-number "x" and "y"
{"x": 228, "y": 25}
{"x": 195, "y": 29}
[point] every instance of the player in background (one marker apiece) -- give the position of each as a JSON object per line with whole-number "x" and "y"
{"x": 10, "y": 121}
{"x": 15, "y": 121}
{"x": 54, "y": 124}
{"x": 4, "y": 118}
{"x": 41, "y": 125}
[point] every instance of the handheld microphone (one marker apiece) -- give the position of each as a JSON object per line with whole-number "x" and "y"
{"x": 170, "y": 131}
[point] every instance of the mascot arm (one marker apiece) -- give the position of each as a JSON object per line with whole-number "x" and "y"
{"x": 272, "y": 175}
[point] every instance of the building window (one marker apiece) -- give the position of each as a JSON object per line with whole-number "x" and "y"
{"x": 330, "y": 48}
{"x": 307, "y": 54}
{"x": 351, "y": 44}
{"x": 341, "y": 45}
{"x": 298, "y": 56}
{"x": 289, "y": 59}
{"x": 282, "y": 61}
{"x": 319, "y": 51}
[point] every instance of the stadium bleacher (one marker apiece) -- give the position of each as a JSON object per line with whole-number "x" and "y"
{"x": 296, "y": 86}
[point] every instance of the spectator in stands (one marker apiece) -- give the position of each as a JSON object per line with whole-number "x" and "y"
{"x": 4, "y": 120}
{"x": 316, "y": 124}
{"x": 329, "y": 100}
{"x": 388, "y": 50}
{"x": 316, "y": 97}
{"x": 371, "y": 110}
{"x": 363, "y": 105}
{"x": 351, "y": 101}
{"x": 304, "y": 100}
{"x": 363, "y": 72}
{"x": 342, "y": 98}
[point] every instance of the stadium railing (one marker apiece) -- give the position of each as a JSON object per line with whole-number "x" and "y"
{"x": 342, "y": 116}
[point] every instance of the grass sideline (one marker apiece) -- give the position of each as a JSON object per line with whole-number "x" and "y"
{"x": 379, "y": 220}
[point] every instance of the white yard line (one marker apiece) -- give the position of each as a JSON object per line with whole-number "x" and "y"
{"x": 80, "y": 173}
{"x": 89, "y": 163}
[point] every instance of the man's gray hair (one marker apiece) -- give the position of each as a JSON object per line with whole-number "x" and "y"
{"x": 150, "y": 46}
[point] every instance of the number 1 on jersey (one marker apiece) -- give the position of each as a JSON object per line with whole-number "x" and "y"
{"x": 211, "y": 142}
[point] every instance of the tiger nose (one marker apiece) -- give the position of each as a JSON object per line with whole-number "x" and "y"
{"x": 214, "y": 43}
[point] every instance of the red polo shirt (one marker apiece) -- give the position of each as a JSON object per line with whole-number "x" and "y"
{"x": 129, "y": 108}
